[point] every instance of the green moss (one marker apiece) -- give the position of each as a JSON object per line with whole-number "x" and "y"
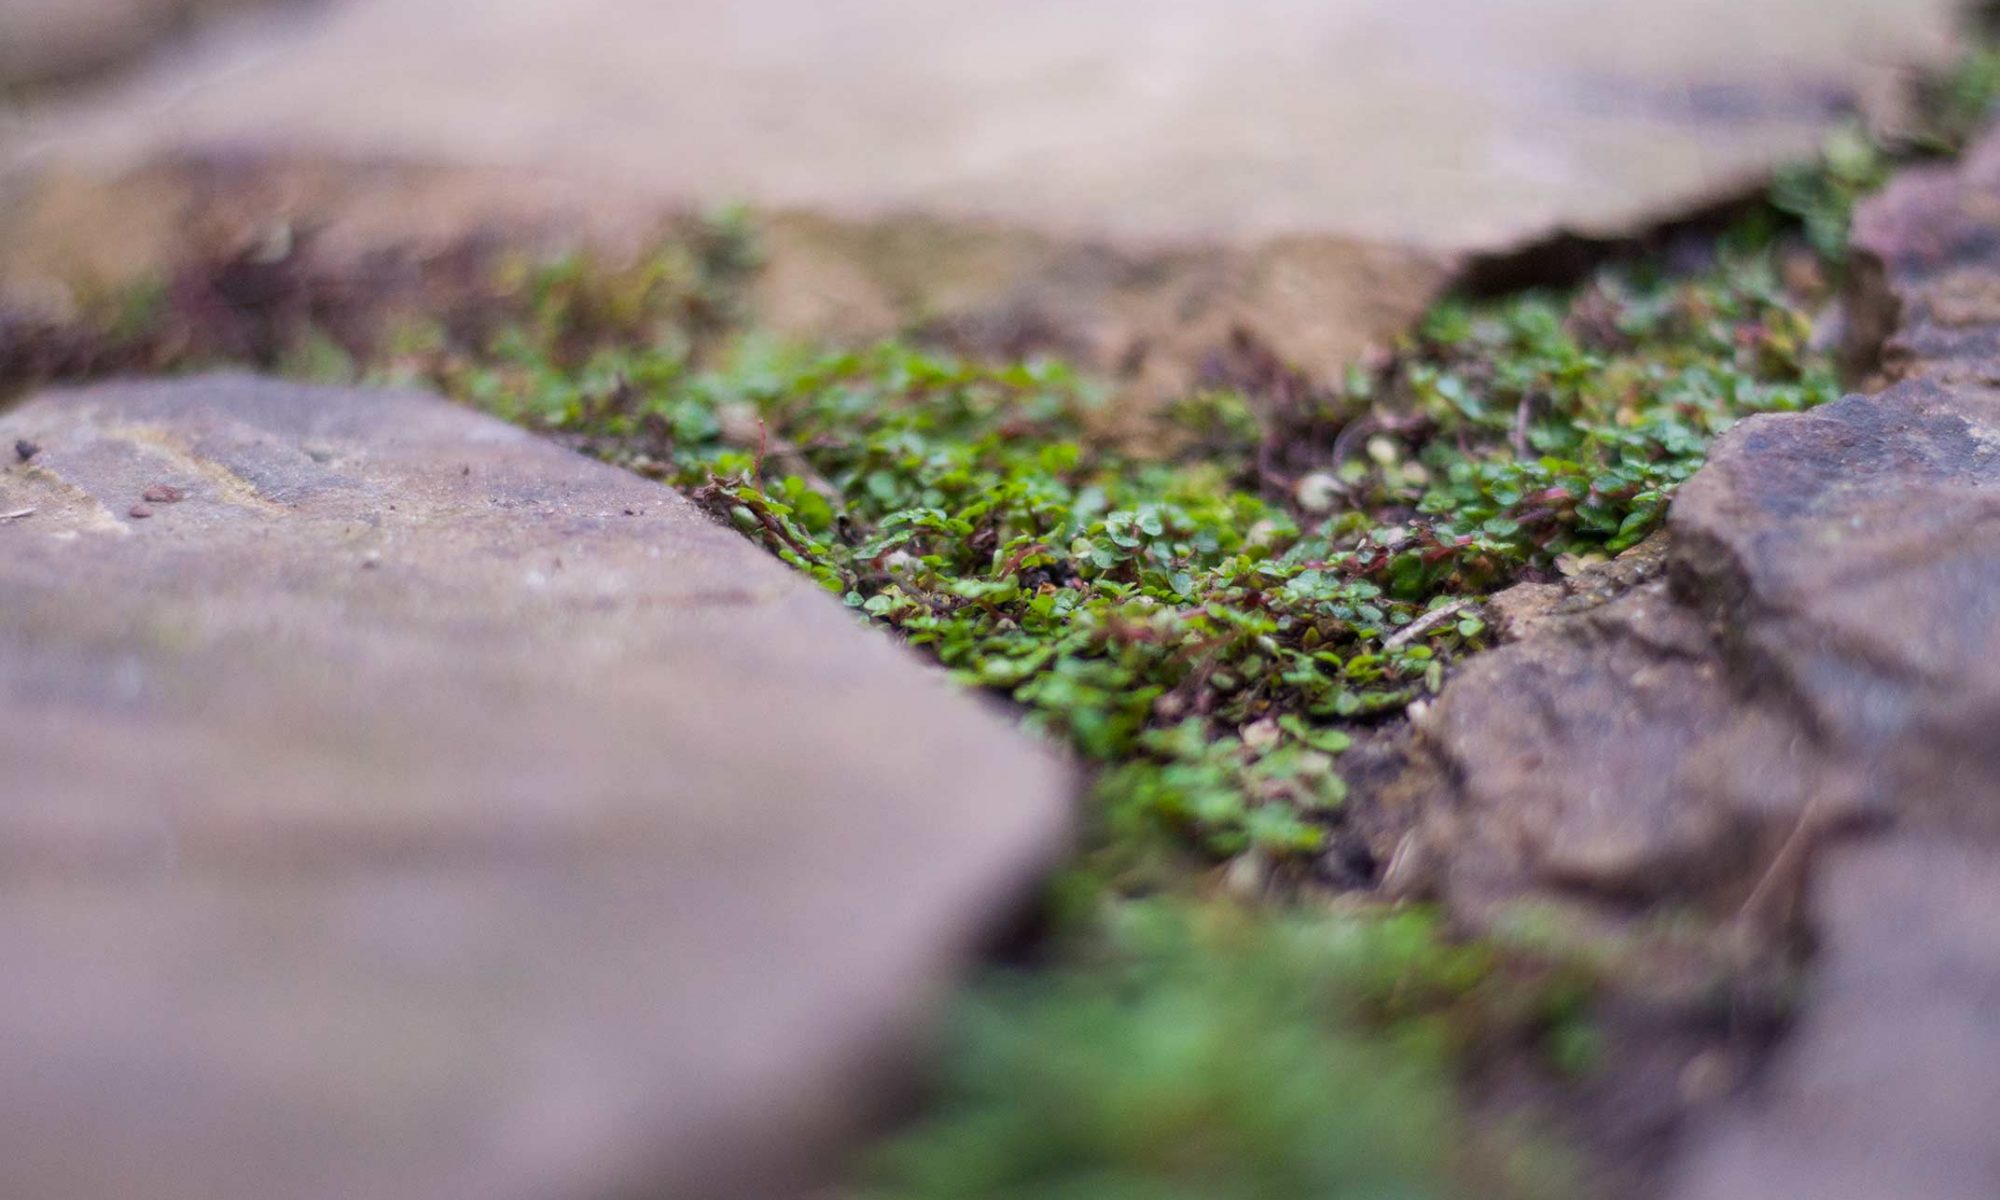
{"x": 1208, "y": 619}
{"x": 1209, "y": 627}
{"x": 1221, "y": 1056}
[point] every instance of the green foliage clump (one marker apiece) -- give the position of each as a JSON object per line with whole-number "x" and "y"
{"x": 1213, "y": 1056}
{"x": 1210, "y": 616}
{"x": 1948, "y": 110}
{"x": 1953, "y": 106}
{"x": 1821, "y": 195}
{"x": 1214, "y": 614}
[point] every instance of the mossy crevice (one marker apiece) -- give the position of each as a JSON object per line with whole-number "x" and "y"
{"x": 1211, "y": 613}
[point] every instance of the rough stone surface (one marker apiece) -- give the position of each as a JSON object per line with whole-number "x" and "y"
{"x": 1129, "y": 180}
{"x": 1823, "y": 653}
{"x": 1889, "y": 1085}
{"x": 1572, "y": 749}
{"x": 1805, "y": 705}
{"x": 411, "y": 808}
{"x": 1852, "y": 557}
{"x": 1878, "y": 609}
{"x": 45, "y": 42}
{"x": 1824, "y": 650}
{"x": 1925, "y": 294}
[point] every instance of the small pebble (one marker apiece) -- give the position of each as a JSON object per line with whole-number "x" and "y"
{"x": 141, "y": 512}
{"x": 1708, "y": 1076}
{"x": 1317, "y": 492}
{"x": 164, "y": 493}
{"x": 26, "y": 450}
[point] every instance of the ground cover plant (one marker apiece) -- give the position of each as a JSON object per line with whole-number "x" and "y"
{"x": 1207, "y": 618}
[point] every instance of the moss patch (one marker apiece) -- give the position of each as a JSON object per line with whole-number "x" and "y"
{"x": 1214, "y": 618}
{"x": 1218, "y": 1054}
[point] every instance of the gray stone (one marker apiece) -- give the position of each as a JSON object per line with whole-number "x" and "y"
{"x": 416, "y": 809}
{"x": 1924, "y": 292}
{"x": 1888, "y": 1086}
{"x": 1571, "y": 752}
{"x": 1131, "y": 182}
{"x": 45, "y": 42}
{"x": 1873, "y": 605}
{"x": 1827, "y": 651}
{"x": 1851, "y": 557}
{"x": 1805, "y": 705}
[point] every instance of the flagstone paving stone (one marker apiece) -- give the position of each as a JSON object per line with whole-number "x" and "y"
{"x": 409, "y": 807}
{"x": 1133, "y": 183}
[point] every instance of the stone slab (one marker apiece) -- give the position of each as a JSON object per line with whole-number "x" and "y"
{"x": 1924, "y": 294}
{"x": 1793, "y": 734}
{"x": 1453, "y": 123}
{"x": 1887, "y": 1088}
{"x": 1823, "y": 652}
{"x": 1138, "y": 181}
{"x": 416, "y": 809}
{"x": 1864, "y": 542}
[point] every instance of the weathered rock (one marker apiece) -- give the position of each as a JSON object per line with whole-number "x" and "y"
{"x": 1875, "y": 611}
{"x": 412, "y": 808}
{"x": 1129, "y": 182}
{"x": 1822, "y": 664}
{"x": 1888, "y": 1086}
{"x": 1924, "y": 297}
{"x": 1520, "y": 610}
{"x": 1572, "y": 749}
{"x": 1829, "y": 639}
{"x": 1852, "y": 559}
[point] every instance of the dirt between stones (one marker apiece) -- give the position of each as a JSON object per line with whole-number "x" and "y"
{"x": 1787, "y": 731}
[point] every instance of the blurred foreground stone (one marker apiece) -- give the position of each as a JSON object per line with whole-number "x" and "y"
{"x": 409, "y": 808}
{"x": 1144, "y": 186}
{"x": 1888, "y": 1085}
